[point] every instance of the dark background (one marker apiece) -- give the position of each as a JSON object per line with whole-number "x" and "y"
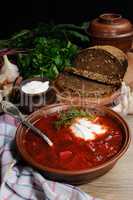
{"x": 16, "y": 15}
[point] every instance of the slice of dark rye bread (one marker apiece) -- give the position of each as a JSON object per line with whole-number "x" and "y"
{"x": 70, "y": 85}
{"x": 105, "y": 64}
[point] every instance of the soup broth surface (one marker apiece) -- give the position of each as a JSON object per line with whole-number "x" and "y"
{"x": 70, "y": 152}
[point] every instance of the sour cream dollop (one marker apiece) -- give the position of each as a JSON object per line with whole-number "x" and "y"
{"x": 87, "y": 130}
{"x": 35, "y": 87}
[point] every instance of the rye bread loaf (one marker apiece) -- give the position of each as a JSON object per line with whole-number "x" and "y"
{"x": 68, "y": 84}
{"x": 105, "y": 64}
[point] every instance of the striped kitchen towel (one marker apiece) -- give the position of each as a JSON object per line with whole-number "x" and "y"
{"x": 21, "y": 182}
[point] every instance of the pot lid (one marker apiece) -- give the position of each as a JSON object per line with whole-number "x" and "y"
{"x": 110, "y": 25}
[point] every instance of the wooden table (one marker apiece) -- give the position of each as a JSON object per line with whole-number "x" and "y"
{"x": 117, "y": 184}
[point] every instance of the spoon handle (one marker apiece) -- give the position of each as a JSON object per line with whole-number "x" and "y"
{"x": 12, "y": 110}
{"x": 36, "y": 130}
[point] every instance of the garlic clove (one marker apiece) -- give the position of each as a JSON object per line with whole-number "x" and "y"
{"x": 9, "y": 71}
{"x": 125, "y": 105}
{"x": 117, "y": 108}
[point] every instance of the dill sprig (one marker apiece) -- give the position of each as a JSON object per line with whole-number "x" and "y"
{"x": 66, "y": 117}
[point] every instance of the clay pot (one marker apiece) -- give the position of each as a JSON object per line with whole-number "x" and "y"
{"x": 111, "y": 29}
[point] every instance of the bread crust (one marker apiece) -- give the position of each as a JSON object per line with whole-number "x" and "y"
{"x": 105, "y": 64}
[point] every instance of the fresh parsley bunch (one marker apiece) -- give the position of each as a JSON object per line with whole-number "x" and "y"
{"x": 47, "y": 58}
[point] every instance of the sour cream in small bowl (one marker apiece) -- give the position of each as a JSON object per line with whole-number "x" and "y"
{"x": 35, "y": 87}
{"x": 36, "y": 93}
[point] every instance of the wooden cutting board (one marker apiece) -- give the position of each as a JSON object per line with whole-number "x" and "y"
{"x": 128, "y": 78}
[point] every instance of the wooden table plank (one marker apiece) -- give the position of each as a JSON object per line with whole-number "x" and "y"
{"x": 117, "y": 184}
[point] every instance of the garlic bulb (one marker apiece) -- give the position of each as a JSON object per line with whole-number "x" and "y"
{"x": 125, "y": 105}
{"x": 9, "y": 71}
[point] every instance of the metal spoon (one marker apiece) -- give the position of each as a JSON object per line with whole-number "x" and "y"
{"x": 12, "y": 110}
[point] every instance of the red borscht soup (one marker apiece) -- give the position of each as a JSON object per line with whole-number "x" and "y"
{"x": 72, "y": 149}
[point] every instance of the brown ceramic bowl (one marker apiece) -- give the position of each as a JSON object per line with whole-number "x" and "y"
{"x": 73, "y": 177}
{"x": 111, "y": 29}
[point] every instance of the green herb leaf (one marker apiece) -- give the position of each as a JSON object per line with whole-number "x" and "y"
{"x": 52, "y": 48}
{"x": 49, "y": 57}
{"x": 66, "y": 117}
